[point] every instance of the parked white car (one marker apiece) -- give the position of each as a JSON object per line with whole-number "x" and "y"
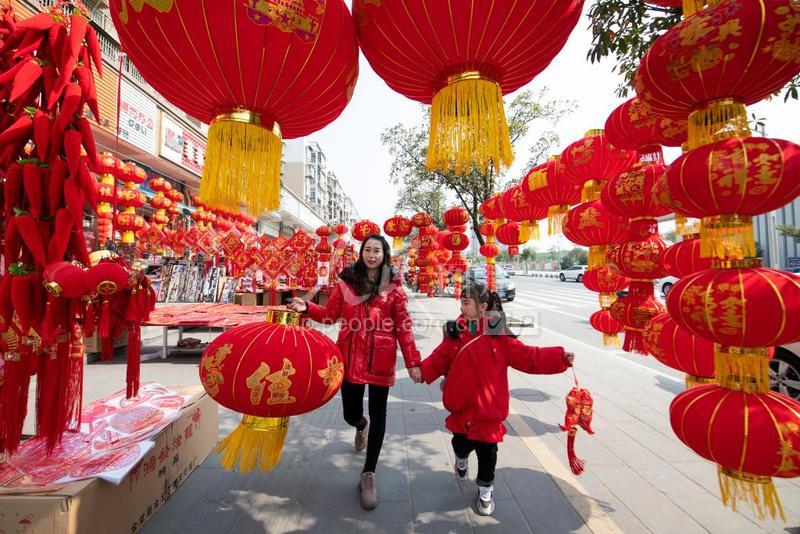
{"x": 784, "y": 371}
{"x": 665, "y": 284}
{"x": 575, "y": 273}
{"x": 509, "y": 269}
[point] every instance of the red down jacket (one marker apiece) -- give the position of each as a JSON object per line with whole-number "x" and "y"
{"x": 476, "y": 390}
{"x": 370, "y": 331}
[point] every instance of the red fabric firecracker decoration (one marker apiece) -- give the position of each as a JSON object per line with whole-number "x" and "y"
{"x": 580, "y": 407}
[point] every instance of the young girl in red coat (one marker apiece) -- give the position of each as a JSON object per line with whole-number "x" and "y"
{"x": 474, "y": 357}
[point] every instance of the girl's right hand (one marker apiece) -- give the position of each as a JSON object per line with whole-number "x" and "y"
{"x": 297, "y": 305}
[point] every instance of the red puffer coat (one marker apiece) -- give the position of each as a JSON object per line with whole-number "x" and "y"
{"x": 476, "y": 389}
{"x": 370, "y": 331}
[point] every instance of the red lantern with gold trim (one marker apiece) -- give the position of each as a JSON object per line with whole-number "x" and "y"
{"x": 324, "y": 232}
{"x": 606, "y": 324}
{"x": 465, "y": 73}
{"x": 421, "y": 219}
{"x": 456, "y": 216}
{"x": 679, "y": 349}
{"x": 512, "y": 234}
{"x": 605, "y": 281}
{"x": 545, "y": 185}
{"x": 268, "y": 372}
{"x": 630, "y": 193}
{"x": 493, "y": 208}
{"x": 397, "y": 228}
{"x": 684, "y": 258}
{"x": 640, "y": 258}
{"x": 65, "y": 279}
{"x": 634, "y": 313}
{"x": 519, "y": 209}
{"x": 341, "y": 229}
{"x": 257, "y": 72}
{"x": 594, "y": 159}
{"x": 364, "y": 228}
{"x": 751, "y": 436}
{"x": 455, "y": 242}
{"x": 591, "y": 225}
{"x": 631, "y": 126}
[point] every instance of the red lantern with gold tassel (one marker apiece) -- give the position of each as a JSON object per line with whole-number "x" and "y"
{"x": 591, "y": 225}
{"x": 257, "y": 72}
{"x": 679, "y": 349}
{"x": 465, "y": 74}
{"x": 606, "y": 324}
{"x": 592, "y": 160}
{"x": 606, "y": 282}
{"x": 129, "y": 199}
{"x": 630, "y": 193}
{"x": 107, "y": 166}
{"x": 518, "y": 208}
{"x": 633, "y": 127}
{"x": 364, "y": 228}
{"x": 397, "y": 228}
{"x": 512, "y": 234}
{"x": 684, "y": 258}
{"x": 456, "y": 216}
{"x": 268, "y": 372}
{"x": 546, "y": 186}
{"x": 161, "y": 202}
{"x": 457, "y": 266}
{"x": 421, "y": 219}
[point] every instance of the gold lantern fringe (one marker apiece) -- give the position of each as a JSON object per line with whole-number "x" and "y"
{"x": 257, "y": 441}
{"x": 692, "y": 381}
{"x": 755, "y": 490}
{"x": 468, "y": 126}
{"x": 717, "y": 120}
{"x": 742, "y": 368}
{"x": 591, "y": 191}
{"x": 727, "y": 237}
{"x": 681, "y": 223}
{"x": 243, "y": 164}
{"x": 597, "y": 256}
{"x": 555, "y": 219}
{"x": 611, "y": 340}
{"x": 690, "y": 7}
{"x": 532, "y": 229}
{"x": 397, "y": 243}
{"x": 607, "y": 299}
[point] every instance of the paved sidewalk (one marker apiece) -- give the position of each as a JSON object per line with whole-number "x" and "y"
{"x": 638, "y": 478}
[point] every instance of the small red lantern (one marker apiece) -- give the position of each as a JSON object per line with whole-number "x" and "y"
{"x": 605, "y": 281}
{"x": 421, "y": 219}
{"x": 456, "y": 216}
{"x": 324, "y": 231}
{"x": 397, "y": 228}
{"x": 679, "y": 349}
{"x": 513, "y": 250}
{"x": 489, "y": 251}
{"x": 323, "y": 247}
{"x": 591, "y": 225}
{"x": 492, "y": 208}
{"x": 362, "y": 229}
{"x": 65, "y": 279}
{"x": 486, "y": 229}
{"x": 268, "y": 372}
{"x": 606, "y": 324}
{"x": 684, "y": 258}
{"x": 546, "y": 186}
{"x": 513, "y": 234}
{"x": 456, "y": 242}
{"x": 634, "y": 313}
{"x": 518, "y": 208}
{"x": 341, "y": 229}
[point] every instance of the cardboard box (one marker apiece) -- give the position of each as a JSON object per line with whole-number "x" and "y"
{"x": 96, "y": 506}
{"x": 93, "y": 343}
{"x": 245, "y": 299}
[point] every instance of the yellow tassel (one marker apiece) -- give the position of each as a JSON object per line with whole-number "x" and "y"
{"x": 243, "y": 164}
{"x": 257, "y": 441}
{"x": 742, "y": 368}
{"x": 607, "y": 299}
{"x": 591, "y": 191}
{"x": 468, "y": 126}
{"x": 692, "y": 381}
{"x": 535, "y": 234}
{"x": 727, "y": 237}
{"x": 690, "y": 7}
{"x": 597, "y": 256}
{"x": 611, "y": 340}
{"x": 555, "y": 219}
{"x": 758, "y": 491}
{"x": 717, "y": 120}
{"x": 397, "y": 243}
{"x": 680, "y": 225}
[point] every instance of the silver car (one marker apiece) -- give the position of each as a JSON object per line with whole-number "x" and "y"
{"x": 784, "y": 370}
{"x": 575, "y": 272}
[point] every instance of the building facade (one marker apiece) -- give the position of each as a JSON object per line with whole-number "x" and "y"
{"x": 778, "y": 251}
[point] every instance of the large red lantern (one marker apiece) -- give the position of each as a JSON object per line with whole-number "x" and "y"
{"x": 493, "y": 208}
{"x": 640, "y": 258}
{"x": 728, "y": 182}
{"x": 256, "y": 71}
{"x": 632, "y": 126}
{"x": 740, "y": 307}
{"x": 463, "y": 72}
{"x": 365, "y": 228}
{"x": 679, "y": 349}
{"x": 455, "y": 242}
{"x": 750, "y": 435}
{"x": 512, "y": 234}
{"x": 630, "y": 193}
{"x": 518, "y": 208}
{"x": 716, "y": 61}
{"x": 594, "y": 159}
{"x": 268, "y": 372}
{"x": 456, "y": 216}
{"x": 397, "y": 228}
{"x": 684, "y": 258}
{"x": 546, "y": 186}
{"x": 591, "y": 225}
{"x": 606, "y": 324}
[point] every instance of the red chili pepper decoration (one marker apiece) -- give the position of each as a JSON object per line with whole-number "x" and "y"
{"x": 72, "y": 149}
{"x": 87, "y": 185}
{"x": 12, "y": 190}
{"x": 31, "y": 237}
{"x": 39, "y": 22}
{"x": 77, "y": 31}
{"x": 22, "y": 297}
{"x": 41, "y": 133}
{"x": 74, "y": 199}
{"x": 30, "y": 42}
{"x": 9, "y": 74}
{"x": 49, "y": 79}
{"x": 20, "y": 131}
{"x": 87, "y": 139}
{"x": 56, "y": 36}
{"x": 93, "y": 44}
{"x": 6, "y": 307}
{"x": 57, "y": 247}
{"x": 86, "y": 83}
{"x": 11, "y": 244}
{"x": 55, "y": 186}
{"x": 32, "y": 181}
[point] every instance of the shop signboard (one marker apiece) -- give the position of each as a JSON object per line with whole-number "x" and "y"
{"x": 181, "y": 146}
{"x": 138, "y": 117}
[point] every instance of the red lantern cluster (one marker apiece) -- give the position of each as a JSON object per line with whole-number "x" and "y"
{"x": 161, "y": 202}
{"x": 130, "y": 198}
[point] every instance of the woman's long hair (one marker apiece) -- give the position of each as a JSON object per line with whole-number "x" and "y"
{"x": 355, "y": 275}
{"x": 495, "y": 316}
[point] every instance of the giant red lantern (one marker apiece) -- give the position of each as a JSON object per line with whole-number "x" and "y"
{"x": 546, "y": 186}
{"x": 679, "y": 349}
{"x": 750, "y": 435}
{"x": 491, "y": 48}
{"x": 594, "y": 159}
{"x": 397, "y": 228}
{"x": 365, "y": 228}
{"x": 268, "y": 372}
{"x": 726, "y": 183}
{"x": 256, "y": 71}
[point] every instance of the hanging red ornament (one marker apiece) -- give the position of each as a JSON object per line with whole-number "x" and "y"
{"x": 546, "y": 186}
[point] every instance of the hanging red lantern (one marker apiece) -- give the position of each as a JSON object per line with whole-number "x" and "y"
{"x": 632, "y": 126}
{"x": 455, "y": 242}
{"x": 700, "y": 66}
{"x": 739, "y": 307}
{"x": 268, "y": 372}
{"x": 592, "y": 160}
{"x": 679, "y": 349}
{"x": 630, "y": 193}
{"x": 161, "y": 202}
{"x": 466, "y": 74}
{"x": 518, "y": 208}
{"x": 546, "y": 186}
{"x": 684, "y": 258}
{"x": 486, "y": 229}
{"x": 591, "y": 225}
{"x": 398, "y": 228}
{"x": 492, "y": 208}
{"x": 421, "y": 219}
{"x": 489, "y": 251}
{"x": 324, "y": 231}
{"x": 640, "y": 258}
{"x": 364, "y": 228}
{"x": 256, "y": 72}
{"x": 605, "y": 281}
{"x": 513, "y": 250}
{"x": 456, "y": 216}
{"x": 606, "y": 324}
{"x": 512, "y": 234}
{"x": 750, "y": 435}
{"x": 341, "y": 229}
{"x": 727, "y": 183}
{"x": 66, "y": 279}
{"x": 634, "y": 313}
{"x": 323, "y": 247}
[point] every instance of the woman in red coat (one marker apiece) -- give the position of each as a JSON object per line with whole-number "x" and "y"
{"x": 474, "y": 357}
{"x": 371, "y": 306}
